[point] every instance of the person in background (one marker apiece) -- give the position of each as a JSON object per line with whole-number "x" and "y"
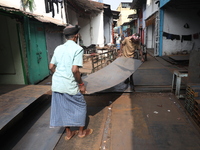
{"x": 122, "y": 37}
{"x": 118, "y": 45}
{"x": 118, "y": 41}
{"x": 121, "y": 50}
{"x": 129, "y": 46}
{"x": 68, "y": 106}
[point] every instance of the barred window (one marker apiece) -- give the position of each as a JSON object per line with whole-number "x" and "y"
{"x": 126, "y": 5}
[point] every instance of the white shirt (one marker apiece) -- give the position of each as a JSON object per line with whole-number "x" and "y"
{"x": 64, "y": 57}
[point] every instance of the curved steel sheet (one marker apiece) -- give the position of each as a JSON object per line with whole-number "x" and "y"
{"x": 111, "y": 75}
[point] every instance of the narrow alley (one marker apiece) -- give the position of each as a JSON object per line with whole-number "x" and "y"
{"x": 135, "y": 61}
{"x": 151, "y": 117}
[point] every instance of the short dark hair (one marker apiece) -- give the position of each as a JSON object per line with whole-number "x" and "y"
{"x": 69, "y": 36}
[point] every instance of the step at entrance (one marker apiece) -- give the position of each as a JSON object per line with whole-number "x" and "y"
{"x": 25, "y": 126}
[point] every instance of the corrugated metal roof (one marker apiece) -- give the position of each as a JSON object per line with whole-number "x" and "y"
{"x": 97, "y": 4}
{"x": 86, "y": 6}
{"x": 40, "y": 18}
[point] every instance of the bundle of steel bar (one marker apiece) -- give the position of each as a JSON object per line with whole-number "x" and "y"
{"x": 192, "y": 101}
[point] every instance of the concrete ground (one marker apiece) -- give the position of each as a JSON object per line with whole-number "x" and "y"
{"x": 151, "y": 118}
{"x": 151, "y": 121}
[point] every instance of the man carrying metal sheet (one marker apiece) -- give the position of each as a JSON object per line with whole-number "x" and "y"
{"x": 68, "y": 106}
{"x": 131, "y": 47}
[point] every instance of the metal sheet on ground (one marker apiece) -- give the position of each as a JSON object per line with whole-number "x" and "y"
{"x": 111, "y": 75}
{"x": 152, "y": 77}
{"x": 194, "y": 67}
{"x": 9, "y": 87}
{"x": 12, "y": 103}
{"x": 91, "y": 142}
{"x": 180, "y": 57}
{"x": 40, "y": 136}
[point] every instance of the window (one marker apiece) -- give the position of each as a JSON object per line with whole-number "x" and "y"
{"x": 126, "y": 5}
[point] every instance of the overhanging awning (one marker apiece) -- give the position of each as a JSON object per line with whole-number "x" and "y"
{"x": 115, "y": 14}
{"x": 125, "y": 23}
{"x": 150, "y": 20}
{"x": 49, "y": 20}
{"x": 85, "y": 6}
{"x": 133, "y": 16}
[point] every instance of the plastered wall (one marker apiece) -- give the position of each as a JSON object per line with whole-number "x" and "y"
{"x": 92, "y": 29}
{"x": 174, "y": 22}
{"x": 11, "y": 71}
{"x": 39, "y": 8}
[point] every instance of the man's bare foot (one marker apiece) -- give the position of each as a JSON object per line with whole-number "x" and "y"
{"x": 85, "y": 133}
{"x": 70, "y": 135}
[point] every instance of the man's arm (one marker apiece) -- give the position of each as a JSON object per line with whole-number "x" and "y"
{"x": 77, "y": 76}
{"x": 122, "y": 45}
{"x": 52, "y": 67}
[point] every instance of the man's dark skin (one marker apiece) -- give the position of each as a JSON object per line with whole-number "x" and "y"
{"x": 82, "y": 88}
{"x": 136, "y": 42}
{"x": 130, "y": 79}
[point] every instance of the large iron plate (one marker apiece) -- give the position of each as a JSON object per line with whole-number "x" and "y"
{"x": 116, "y": 72}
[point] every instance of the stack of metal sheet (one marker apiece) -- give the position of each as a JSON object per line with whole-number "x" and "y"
{"x": 192, "y": 101}
{"x": 197, "y": 111}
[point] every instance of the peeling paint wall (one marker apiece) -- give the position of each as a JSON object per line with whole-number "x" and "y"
{"x": 71, "y": 17}
{"x": 174, "y": 21}
{"x": 85, "y": 32}
{"x": 151, "y": 8}
{"x": 107, "y": 29}
{"x": 11, "y": 70}
{"x": 39, "y": 8}
{"x": 53, "y": 39}
{"x": 150, "y": 36}
{"x": 92, "y": 29}
{"x": 98, "y": 29}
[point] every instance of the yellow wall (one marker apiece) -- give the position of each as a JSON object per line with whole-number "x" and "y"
{"x": 124, "y": 13}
